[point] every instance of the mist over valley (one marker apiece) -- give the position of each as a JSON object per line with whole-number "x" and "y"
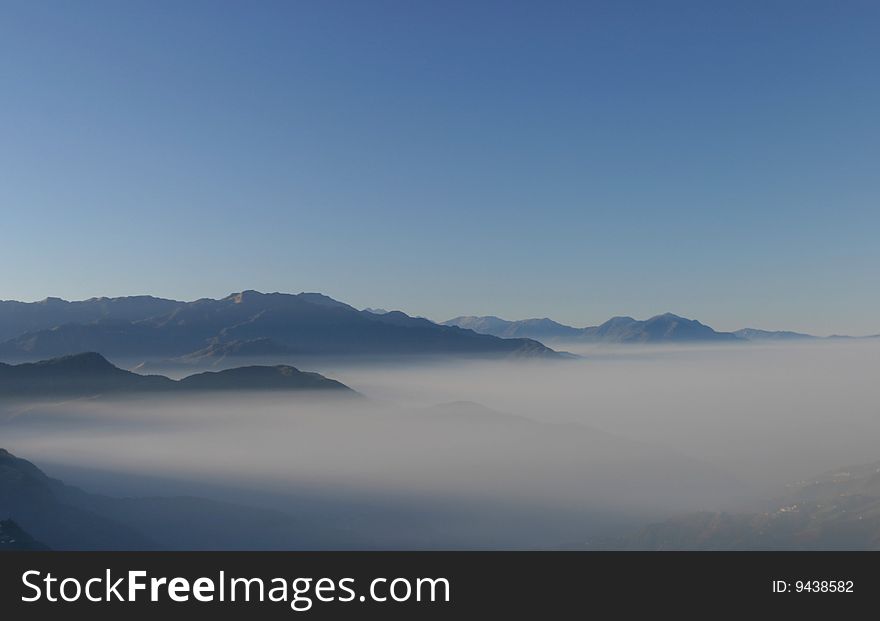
{"x": 403, "y": 434}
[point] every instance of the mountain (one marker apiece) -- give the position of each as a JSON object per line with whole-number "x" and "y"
{"x": 12, "y": 537}
{"x": 538, "y": 329}
{"x": 76, "y": 375}
{"x": 17, "y": 318}
{"x": 217, "y": 352}
{"x": 839, "y": 510}
{"x": 279, "y": 377}
{"x": 664, "y": 328}
{"x": 53, "y": 513}
{"x": 68, "y": 518}
{"x": 753, "y": 334}
{"x": 307, "y": 323}
{"x": 91, "y": 374}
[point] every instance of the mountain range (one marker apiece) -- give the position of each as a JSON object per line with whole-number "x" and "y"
{"x": 212, "y": 332}
{"x": 17, "y": 318}
{"x": 664, "y": 328}
{"x": 306, "y": 324}
{"x": 91, "y": 374}
{"x": 753, "y": 334}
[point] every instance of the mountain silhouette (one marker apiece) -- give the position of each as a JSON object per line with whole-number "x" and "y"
{"x": 75, "y": 375}
{"x": 13, "y": 537}
{"x": 753, "y": 334}
{"x": 17, "y": 318}
{"x": 91, "y": 374}
{"x": 666, "y": 328}
{"x": 64, "y": 517}
{"x": 280, "y": 377}
{"x": 539, "y": 329}
{"x": 307, "y": 323}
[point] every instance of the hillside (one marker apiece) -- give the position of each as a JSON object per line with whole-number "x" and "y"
{"x": 17, "y": 318}
{"x": 91, "y": 374}
{"x": 308, "y": 323}
{"x": 12, "y": 537}
{"x": 753, "y": 334}
{"x": 279, "y": 377}
{"x": 67, "y": 518}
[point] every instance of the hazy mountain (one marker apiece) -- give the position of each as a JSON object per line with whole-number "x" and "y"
{"x": 279, "y": 377}
{"x": 17, "y": 318}
{"x": 753, "y": 334}
{"x": 79, "y": 374}
{"x": 658, "y": 329}
{"x": 539, "y": 329}
{"x": 661, "y": 328}
{"x": 67, "y": 518}
{"x": 91, "y": 374}
{"x": 54, "y": 513}
{"x": 838, "y": 510}
{"x": 217, "y": 352}
{"x": 309, "y": 323}
{"x": 12, "y": 537}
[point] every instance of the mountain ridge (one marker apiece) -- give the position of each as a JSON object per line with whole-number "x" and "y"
{"x": 90, "y": 373}
{"x": 663, "y": 328}
{"x": 308, "y": 323}
{"x": 14, "y": 537}
{"x": 65, "y": 517}
{"x": 555, "y": 332}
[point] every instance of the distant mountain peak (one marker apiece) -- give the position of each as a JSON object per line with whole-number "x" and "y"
{"x": 617, "y": 319}
{"x": 754, "y": 334}
{"x": 667, "y": 327}
{"x": 86, "y": 361}
{"x": 248, "y": 295}
{"x": 256, "y": 377}
{"x": 376, "y": 311}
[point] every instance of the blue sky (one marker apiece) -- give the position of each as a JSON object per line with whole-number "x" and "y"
{"x": 576, "y": 160}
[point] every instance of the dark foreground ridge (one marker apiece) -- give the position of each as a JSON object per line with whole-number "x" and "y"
{"x": 12, "y": 537}
{"x": 92, "y": 374}
{"x": 64, "y": 517}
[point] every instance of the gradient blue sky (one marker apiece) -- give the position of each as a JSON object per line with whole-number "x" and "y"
{"x": 576, "y": 160}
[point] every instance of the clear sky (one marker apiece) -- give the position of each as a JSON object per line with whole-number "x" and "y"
{"x": 578, "y": 160}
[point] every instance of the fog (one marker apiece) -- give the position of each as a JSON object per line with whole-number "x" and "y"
{"x": 522, "y": 454}
{"x": 769, "y": 414}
